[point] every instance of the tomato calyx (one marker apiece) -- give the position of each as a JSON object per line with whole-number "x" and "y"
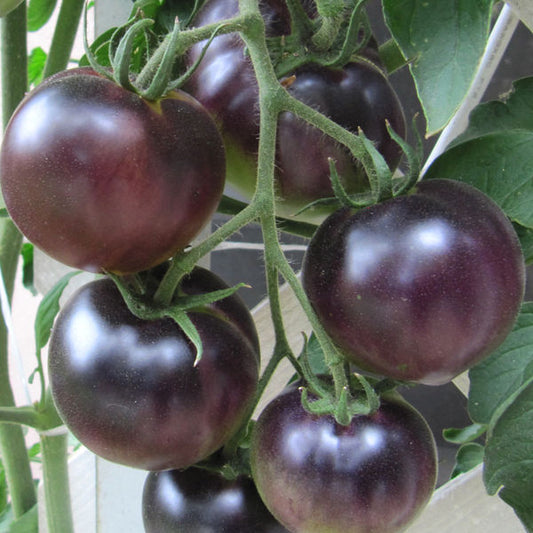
{"x": 383, "y": 183}
{"x": 138, "y": 295}
{"x": 330, "y": 38}
{"x": 157, "y": 77}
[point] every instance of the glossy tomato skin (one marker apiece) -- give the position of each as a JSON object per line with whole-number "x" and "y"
{"x": 356, "y": 96}
{"x": 103, "y": 180}
{"x": 420, "y": 287}
{"x": 197, "y": 501}
{"x": 315, "y": 475}
{"x": 129, "y": 391}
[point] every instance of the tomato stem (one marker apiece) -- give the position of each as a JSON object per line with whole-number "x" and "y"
{"x": 12, "y": 444}
{"x": 272, "y": 97}
{"x": 55, "y": 473}
{"x": 64, "y": 35}
{"x": 184, "y": 262}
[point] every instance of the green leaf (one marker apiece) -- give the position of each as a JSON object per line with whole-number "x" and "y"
{"x": 36, "y": 63}
{"x": 468, "y": 456}
{"x": 100, "y": 49}
{"x": 525, "y": 236}
{"x": 444, "y": 42}
{"x": 495, "y": 380}
{"x": 513, "y": 112}
{"x": 500, "y": 164}
{"x": 27, "y": 523}
{"x": 48, "y": 309}
{"x": 39, "y": 13}
{"x": 315, "y": 356}
{"x": 27, "y": 267}
{"x": 495, "y": 153}
{"x": 464, "y": 435}
{"x": 508, "y": 467}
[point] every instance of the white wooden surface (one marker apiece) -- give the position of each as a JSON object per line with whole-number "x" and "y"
{"x": 106, "y": 497}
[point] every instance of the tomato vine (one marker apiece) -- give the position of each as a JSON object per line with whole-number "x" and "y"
{"x": 338, "y": 31}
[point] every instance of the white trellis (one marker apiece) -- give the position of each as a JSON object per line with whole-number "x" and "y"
{"x": 107, "y": 497}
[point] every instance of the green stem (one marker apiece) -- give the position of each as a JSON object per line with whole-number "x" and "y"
{"x": 301, "y": 25}
{"x": 64, "y": 35}
{"x": 183, "y": 263}
{"x": 55, "y": 481}
{"x": 12, "y": 443}
{"x": 270, "y": 105}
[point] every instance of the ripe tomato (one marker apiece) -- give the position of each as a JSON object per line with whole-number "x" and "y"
{"x": 419, "y": 287}
{"x": 128, "y": 390}
{"x": 197, "y": 501}
{"x": 101, "y": 179}
{"x": 315, "y": 475}
{"x": 356, "y": 96}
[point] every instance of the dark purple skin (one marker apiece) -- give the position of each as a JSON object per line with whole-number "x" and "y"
{"x": 372, "y": 476}
{"x": 102, "y": 180}
{"x": 129, "y": 391}
{"x": 197, "y": 501}
{"x": 420, "y": 287}
{"x": 232, "y": 308}
{"x": 357, "y": 96}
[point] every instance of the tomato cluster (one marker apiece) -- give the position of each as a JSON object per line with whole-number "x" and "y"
{"x": 416, "y": 288}
{"x": 356, "y": 96}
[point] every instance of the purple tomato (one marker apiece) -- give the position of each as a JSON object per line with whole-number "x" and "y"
{"x": 103, "y": 180}
{"x": 420, "y": 287}
{"x": 355, "y": 96}
{"x": 128, "y": 388}
{"x": 197, "y": 501}
{"x": 314, "y": 475}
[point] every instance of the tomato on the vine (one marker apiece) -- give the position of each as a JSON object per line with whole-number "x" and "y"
{"x": 198, "y": 501}
{"x": 103, "y": 180}
{"x": 419, "y": 287}
{"x": 128, "y": 388}
{"x": 314, "y": 475}
{"x": 356, "y": 96}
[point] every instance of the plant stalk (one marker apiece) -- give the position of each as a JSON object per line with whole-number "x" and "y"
{"x": 55, "y": 481}
{"x": 12, "y": 442}
{"x": 64, "y": 35}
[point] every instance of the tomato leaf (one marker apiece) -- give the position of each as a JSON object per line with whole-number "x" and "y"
{"x": 48, "y": 309}
{"x": 468, "y": 456}
{"x": 29, "y": 521}
{"x": 39, "y": 13}
{"x": 36, "y": 63}
{"x": 500, "y": 164}
{"x": 444, "y": 42}
{"x": 495, "y": 153}
{"x": 496, "y": 379}
{"x": 464, "y": 435}
{"x": 27, "y": 267}
{"x": 508, "y": 467}
{"x": 526, "y": 241}
{"x": 513, "y": 112}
